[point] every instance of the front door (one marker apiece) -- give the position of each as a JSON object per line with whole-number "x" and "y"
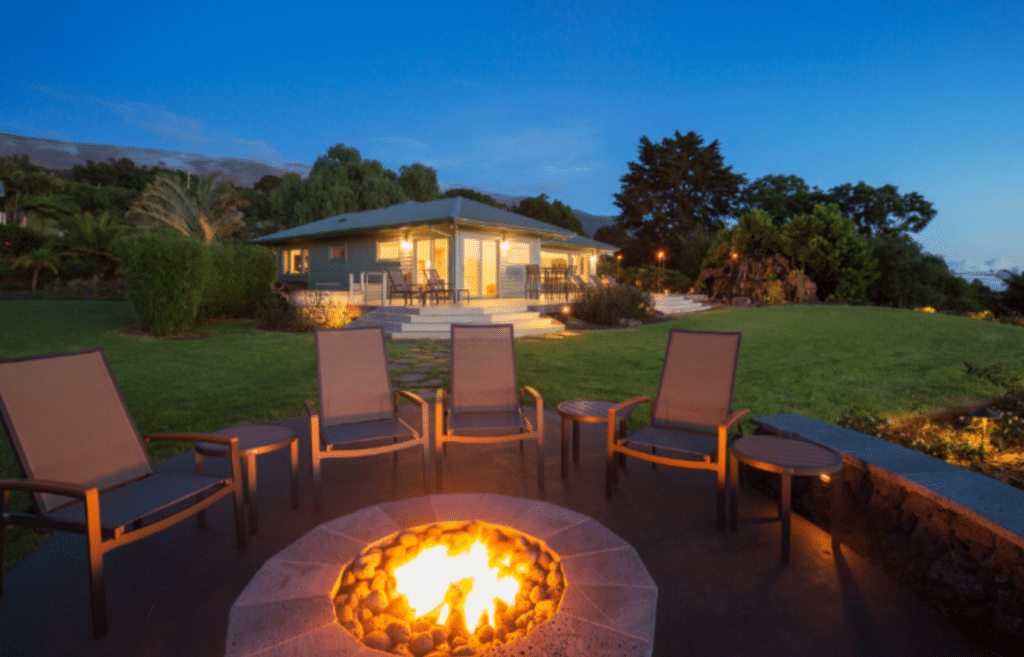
{"x": 480, "y": 267}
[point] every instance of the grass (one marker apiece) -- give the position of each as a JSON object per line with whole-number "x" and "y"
{"x": 815, "y": 360}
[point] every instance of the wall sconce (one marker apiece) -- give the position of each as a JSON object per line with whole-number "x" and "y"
{"x": 593, "y": 259}
{"x": 503, "y": 244}
{"x": 427, "y": 264}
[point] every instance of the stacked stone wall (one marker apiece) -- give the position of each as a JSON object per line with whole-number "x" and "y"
{"x": 969, "y": 572}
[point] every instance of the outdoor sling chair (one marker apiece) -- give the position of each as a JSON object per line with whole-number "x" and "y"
{"x": 691, "y": 416}
{"x": 485, "y": 403}
{"x": 399, "y": 286}
{"x": 87, "y": 467}
{"x": 437, "y": 288}
{"x": 358, "y": 412}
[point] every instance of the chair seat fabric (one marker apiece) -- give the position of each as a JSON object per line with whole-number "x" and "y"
{"x": 502, "y": 421}
{"x": 343, "y": 434}
{"x": 144, "y": 497}
{"x": 674, "y": 439}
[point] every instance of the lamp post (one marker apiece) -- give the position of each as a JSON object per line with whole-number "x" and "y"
{"x": 661, "y": 260}
{"x": 618, "y": 266}
{"x": 985, "y": 413}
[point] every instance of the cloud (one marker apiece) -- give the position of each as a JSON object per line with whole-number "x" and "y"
{"x": 188, "y": 131}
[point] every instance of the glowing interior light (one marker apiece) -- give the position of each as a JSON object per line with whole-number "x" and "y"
{"x": 425, "y": 581}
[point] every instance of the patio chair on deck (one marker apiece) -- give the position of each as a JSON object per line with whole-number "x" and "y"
{"x": 485, "y": 404}
{"x": 437, "y": 288}
{"x": 399, "y": 286}
{"x": 692, "y": 413}
{"x": 359, "y": 413}
{"x": 87, "y": 467}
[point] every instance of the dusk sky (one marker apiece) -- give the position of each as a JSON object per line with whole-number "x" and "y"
{"x": 554, "y": 97}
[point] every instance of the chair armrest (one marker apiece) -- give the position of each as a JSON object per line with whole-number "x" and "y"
{"x": 626, "y": 404}
{"x": 735, "y": 417}
{"x": 410, "y": 396}
{"x": 533, "y": 393}
{"x": 189, "y": 438}
{"x": 310, "y": 408}
{"x": 46, "y": 486}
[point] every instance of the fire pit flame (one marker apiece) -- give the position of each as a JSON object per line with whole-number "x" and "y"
{"x": 426, "y": 581}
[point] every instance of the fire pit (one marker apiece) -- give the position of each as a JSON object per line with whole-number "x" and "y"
{"x": 565, "y": 585}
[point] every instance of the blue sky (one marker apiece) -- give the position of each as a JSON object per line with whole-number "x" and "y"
{"x": 554, "y": 97}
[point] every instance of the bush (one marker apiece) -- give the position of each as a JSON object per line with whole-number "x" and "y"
{"x": 239, "y": 282}
{"x": 165, "y": 275}
{"x": 318, "y": 310}
{"x": 606, "y": 305}
{"x": 655, "y": 279}
{"x": 15, "y": 241}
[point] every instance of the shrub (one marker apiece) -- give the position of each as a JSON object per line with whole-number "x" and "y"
{"x": 606, "y": 305}
{"x": 164, "y": 276}
{"x": 656, "y": 279}
{"x": 240, "y": 278}
{"x": 319, "y": 310}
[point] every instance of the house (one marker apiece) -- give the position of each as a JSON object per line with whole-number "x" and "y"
{"x": 476, "y": 247}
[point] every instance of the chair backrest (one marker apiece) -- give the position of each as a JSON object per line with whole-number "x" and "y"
{"x": 434, "y": 281}
{"x": 397, "y": 279}
{"x": 578, "y": 280}
{"x": 68, "y": 422}
{"x": 483, "y": 369}
{"x": 352, "y": 368}
{"x": 697, "y": 380}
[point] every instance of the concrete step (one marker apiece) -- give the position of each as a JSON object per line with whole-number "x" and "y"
{"x": 404, "y": 323}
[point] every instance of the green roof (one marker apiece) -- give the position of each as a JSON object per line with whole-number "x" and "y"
{"x": 461, "y": 211}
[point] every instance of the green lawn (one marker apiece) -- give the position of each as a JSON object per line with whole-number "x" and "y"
{"x": 816, "y": 360}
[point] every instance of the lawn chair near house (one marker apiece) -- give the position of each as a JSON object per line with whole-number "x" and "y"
{"x": 691, "y": 416}
{"x": 358, "y": 412}
{"x": 398, "y": 285}
{"x": 87, "y": 467}
{"x": 438, "y": 290}
{"x": 485, "y": 405}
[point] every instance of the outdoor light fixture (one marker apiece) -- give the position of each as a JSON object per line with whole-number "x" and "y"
{"x": 593, "y": 258}
{"x": 985, "y": 413}
{"x": 565, "y": 310}
{"x": 504, "y": 245}
{"x": 825, "y": 478}
{"x": 406, "y": 245}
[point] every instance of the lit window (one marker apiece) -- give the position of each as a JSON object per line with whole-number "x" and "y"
{"x": 296, "y": 261}
{"x": 388, "y": 251}
{"x": 336, "y": 252}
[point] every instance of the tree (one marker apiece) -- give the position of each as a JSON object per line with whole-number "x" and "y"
{"x": 114, "y": 173}
{"x": 677, "y": 186}
{"x": 418, "y": 182}
{"x": 782, "y": 197}
{"x": 91, "y": 240}
{"x": 824, "y": 245}
{"x": 204, "y": 206}
{"x": 555, "y": 213}
{"x": 472, "y": 195}
{"x": 882, "y": 210}
{"x": 340, "y": 182}
{"x": 38, "y": 259}
{"x": 284, "y": 199}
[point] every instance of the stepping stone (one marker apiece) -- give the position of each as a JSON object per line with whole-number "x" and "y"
{"x": 432, "y": 382}
{"x": 408, "y": 378}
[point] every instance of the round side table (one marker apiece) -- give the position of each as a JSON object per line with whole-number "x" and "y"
{"x": 788, "y": 457}
{"x": 253, "y": 440}
{"x": 594, "y": 411}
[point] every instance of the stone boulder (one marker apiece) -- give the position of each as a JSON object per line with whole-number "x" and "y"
{"x": 761, "y": 279}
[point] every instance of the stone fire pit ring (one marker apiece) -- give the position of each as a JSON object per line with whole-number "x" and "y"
{"x": 608, "y": 607}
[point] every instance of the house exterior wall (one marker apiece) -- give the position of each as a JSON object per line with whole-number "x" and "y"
{"x": 326, "y": 273}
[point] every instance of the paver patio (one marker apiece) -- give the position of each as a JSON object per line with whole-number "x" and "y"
{"x": 719, "y": 593}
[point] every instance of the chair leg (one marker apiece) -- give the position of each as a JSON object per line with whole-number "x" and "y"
{"x": 438, "y": 467}
{"x": 609, "y": 475}
{"x": 201, "y": 516}
{"x": 97, "y": 590}
{"x": 316, "y": 480}
{"x": 721, "y": 472}
{"x": 295, "y": 473}
{"x": 4, "y": 500}
{"x": 654, "y": 452}
{"x": 540, "y": 462}
{"x": 427, "y": 486}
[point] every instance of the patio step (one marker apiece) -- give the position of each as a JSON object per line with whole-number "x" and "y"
{"x": 677, "y": 304}
{"x": 434, "y": 322}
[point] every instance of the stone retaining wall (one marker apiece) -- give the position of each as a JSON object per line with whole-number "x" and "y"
{"x": 955, "y": 561}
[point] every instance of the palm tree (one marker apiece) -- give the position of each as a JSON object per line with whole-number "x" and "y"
{"x": 43, "y": 257}
{"x": 91, "y": 239}
{"x": 203, "y": 207}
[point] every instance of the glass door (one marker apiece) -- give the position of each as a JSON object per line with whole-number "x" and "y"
{"x": 480, "y": 267}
